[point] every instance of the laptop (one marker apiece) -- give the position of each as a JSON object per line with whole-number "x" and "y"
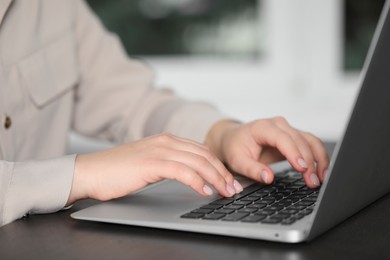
{"x": 286, "y": 211}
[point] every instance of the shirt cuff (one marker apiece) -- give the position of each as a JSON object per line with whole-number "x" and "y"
{"x": 38, "y": 187}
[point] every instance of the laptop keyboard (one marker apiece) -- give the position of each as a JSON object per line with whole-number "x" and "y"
{"x": 284, "y": 202}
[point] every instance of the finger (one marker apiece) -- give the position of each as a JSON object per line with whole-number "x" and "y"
{"x": 253, "y": 169}
{"x": 320, "y": 154}
{"x": 281, "y": 140}
{"x": 295, "y": 148}
{"x": 314, "y": 154}
{"x": 185, "y": 145}
{"x": 206, "y": 170}
{"x": 184, "y": 174}
{"x": 311, "y": 174}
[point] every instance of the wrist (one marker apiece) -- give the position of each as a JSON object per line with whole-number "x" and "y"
{"x": 78, "y": 190}
{"x": 217, "y": 134}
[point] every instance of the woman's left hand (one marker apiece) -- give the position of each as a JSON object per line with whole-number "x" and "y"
{"x": 249, "y": 148}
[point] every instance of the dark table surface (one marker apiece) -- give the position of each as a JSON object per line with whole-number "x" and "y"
{"x": 365, "y": 235}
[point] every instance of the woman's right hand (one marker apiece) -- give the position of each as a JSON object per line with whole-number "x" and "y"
{"x": 124, "y": 169}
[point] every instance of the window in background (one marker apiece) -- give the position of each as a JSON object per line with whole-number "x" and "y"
{"x": 361, "y": 18}
{"x": 223, "y": 28}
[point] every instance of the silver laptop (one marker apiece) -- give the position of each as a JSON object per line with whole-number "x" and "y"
{"x": 286, "y": 211}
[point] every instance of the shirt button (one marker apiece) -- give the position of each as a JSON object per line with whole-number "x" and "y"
{"x": 7, "y": 122}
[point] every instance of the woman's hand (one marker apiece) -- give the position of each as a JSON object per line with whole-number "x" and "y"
{"x": 127, "y": 168}
{"x": 249, "y": 148}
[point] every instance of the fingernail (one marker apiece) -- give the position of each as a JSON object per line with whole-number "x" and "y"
{"x": 302, "y": 163}
{"x": 207, "y": 190}
{"x": 230, "y": 190}
{"x": 314, "y": 179}
{"x": 238, "y": 186}
{"x": 325, "y": 173}
{"x": 264, "y": 176}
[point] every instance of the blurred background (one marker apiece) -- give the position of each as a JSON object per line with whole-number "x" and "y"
{"x": 251, "y": 58}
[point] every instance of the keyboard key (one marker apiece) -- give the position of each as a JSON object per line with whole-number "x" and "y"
{"x": 225, "y": 211}
{"x": 234, "y": 206}
{"x": 311, "y": 198}
{"x": 307, "y": 211}
{"x": 214, "y": 216}
{"x": 290, "y": 199}
{"x": 235, "y": 216}
{"x": 252, "y": 198}
{"x": 248, "y": 210}
{"x": 211, "y": 206}
{"x": 254, "y": 218}
{"x": 296, "y": 175}
{"x": 298, "y": 216}
{"x": 248, "y": 190}
{"x": 260, "y": 194}
{"x": 203, "y": 211}
{"x": 192, "y": 215}
{"x": 277, "y": 196}
{"x": 288, "y": 221}
{"x": 287, "y": 191}
{"x": 296, "y": 186}
{"x": 269, "y": 189}
{"x": 304, "y": 203}
{"x": 297, "y": 207}
{"x": 286, "y": 202}
{"x": 276, "y": 207}
{"x": 288, "y": 180}
{"x": 296, "y": 197}
{"x": 268, "y": 200}
{"x": 300, "y": 183}
{"x": 280, "y": 185}
{"x": 271, "y": 221}
{"x": 289, "y": 211}
{"x": 258, "y": 205}
{"x": 281, "y": 215}
{"x": 222, "y": 201}
{"x": 283, "y": 204}
{"x": 242, "y": 202}
{"x": 266, "y": 211}
{"x": 303, "y": 192}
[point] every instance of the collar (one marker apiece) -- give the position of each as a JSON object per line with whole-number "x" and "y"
{"x": 4, "y": 5}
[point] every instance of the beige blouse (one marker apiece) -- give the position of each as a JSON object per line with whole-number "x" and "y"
{"x": 60, "y": 71}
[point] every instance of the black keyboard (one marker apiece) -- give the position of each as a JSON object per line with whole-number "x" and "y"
{"x": 284, "y": 202}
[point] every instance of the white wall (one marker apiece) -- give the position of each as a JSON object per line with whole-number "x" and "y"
{"x": 299, "y": 76}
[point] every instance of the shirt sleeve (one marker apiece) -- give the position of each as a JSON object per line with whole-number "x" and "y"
{"x": 116, "y": 97}
{"x": 20, "y": 181}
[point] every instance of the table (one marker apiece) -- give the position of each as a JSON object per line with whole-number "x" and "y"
{"x": 57, "y": 236}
